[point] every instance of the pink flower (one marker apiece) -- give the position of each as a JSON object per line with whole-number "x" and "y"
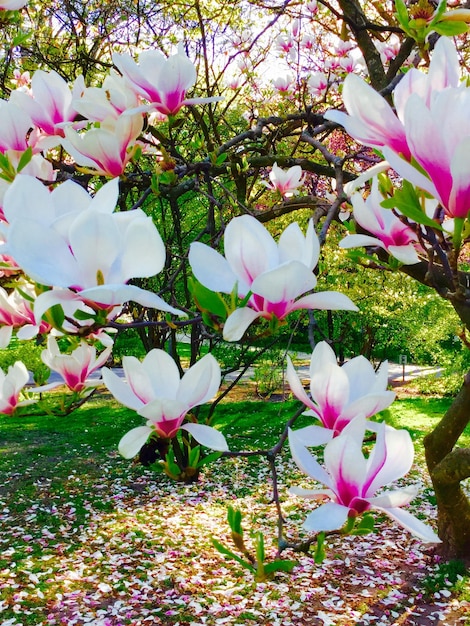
{"x": 353, "y": 480}
{"x": 14, "y": 128}
{"x": 162, "y": 81}
{"x": 285, "y": 181}
{"x": 16, "y": 312}
{"x": 372, "y": 121}
{"x": 339, "y": 394}
{"x": 107, "y": 148}
{"x": 444, "y": 159}
{"x": 275, "y": 276}
{"x": 155, "y": 390}
{"x": 11, "y": 386}
{"x": 75, "y": 368}
{"x": 50, "y": 103}
{"x": 283, "y": 84}
{"x": 390, "y": 233}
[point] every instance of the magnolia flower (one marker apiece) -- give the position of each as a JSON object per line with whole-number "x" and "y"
{"x": 285, "y": 181}
{"x": 162, "y": 81}
{"x": 112, "y": 99}
{"x": 444, "y": 159}
{"x": 107, "y": 149}
{"x": 317, "y": 84}
{"x": 339, "y": 394}
{"x": 372, "y": 121}
{"x": 283, "y": 84}
{"x": 391, "y": 234}
{"x": 50, "y": 104}
{"x": 11, "y": 385}
{"x": 56, "y": 252}
{"x": 352, "y": 480}
{"x": 274, "y": 276}
{"x": 154, "y": 389}
{"x": 16, "y": 312}
{"x": 74, "y": 368}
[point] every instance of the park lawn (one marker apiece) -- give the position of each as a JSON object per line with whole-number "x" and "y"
{"x": 88, "y": 537}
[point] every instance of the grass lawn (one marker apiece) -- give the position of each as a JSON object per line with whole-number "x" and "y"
{"x": 90, "y": 538}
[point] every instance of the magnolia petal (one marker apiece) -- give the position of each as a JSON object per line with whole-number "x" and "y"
{"x": 114, "y": 295}
{"x": 313, "y": 435}
{"x": 5, "y": 336}
{"x": 157, "y": 375}
{"x": 120, "y": 390}
{"x": 249, "y": 248}
{"x": 368, "y": 405}
{"x": 330, "y": 300}
{"x": 237, "y": 323}
{"x": 311, "y": 494}
{"x": 293, "y": 245}
{"x": 405, "y": 254}
{"x": 207, "y": 436}
{"x": 200, "y": 382}
{"x": 410, "y": 173}
{"x": 345, "y": 461}
{"x": 306, "y": 461}
{"x": 296, "y": 385}
{"x": 411, "y": 523}
{"x": 360, "y": 241}
{"x": 144, "y": 253}
{"x": 133, "y": 441}
{"x": 285, "y": 282}
{"x": 329, "y": 516}
{"x": 330, "y": 391}
{"x": 394, "y": 460}
{"x": 164, "y": 409}
{"x": 459, "y": 200}
{"x": 396, "y": 498}
{"x": 363, "y": 178}
{"x": 211, "y": 269}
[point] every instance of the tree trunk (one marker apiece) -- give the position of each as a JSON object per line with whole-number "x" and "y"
{"x": 448, "y": 466}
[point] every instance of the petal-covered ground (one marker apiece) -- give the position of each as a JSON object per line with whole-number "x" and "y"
{"x": 89, "y": 538}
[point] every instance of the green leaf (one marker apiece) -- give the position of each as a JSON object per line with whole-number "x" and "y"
{"x": 223, "y": 550}
{"x": 194, "y": 456}
{"x": 450, "y": 29}
{"x": 207, "y": 300}
{"x": 25, "y": 159}
{"x": 320, "y": 552}
{"x": 402, "y": 14}
{"x": 234, "y": 518}
{"x": 406, "y": 200}
{"x": 83, "y": 315}
{"x": 260, "y": 554}
{"x": 55, "y": 316}
{"x": 221, "y": 158}
{"x": 213, "y": 456}
{"x": 279, "y": 566}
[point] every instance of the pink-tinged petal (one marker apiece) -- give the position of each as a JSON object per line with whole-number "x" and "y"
{"x": 211, "y": 269}
{"x": 444, "y": 69}
{"x": 249, "y": 248}
{"x": 160, "y": 375}
{"x": 200, "y": 382}
{"x": 396, "y": 498}
{"x": 311, "y": 494}
{"x": 296, "y": 386}
{"x": 144, "y": 254}
{"x": 160, "y": 410}
{"x": 305, "y": 461}
{"x": 293, "y": 245}
{"x": 412, "y": 524}
{"x": 5, "y": 336}
{"x": 330, "y": 300}
{"x": 26, "y": 245}
{"x": 329, "y": 516}
{"x": 207, "y": 436}
{"x": 362, "y": 377}
{"x": 323, "y": 354}
{"x": 138, "y": 380}
{"x": 150, "y": 62}
{"x": 114, "y": 295}
{"x": 459, "y": 200}
{"x": 431, "y": 155}
{"x": 120, "y": 390}
{"x": 368, "y": 405}
{"x": 371, "y": 120}
{"x": 405, "y": 254}
{"x": 285, "y": 282}
{"x": 237, "y": 323}
{"x": 330, "y": 391}
{"x": 133, "y": 441}
{"x": 390, "y": 459}
{"x": 360, "y": 241}
{"x": 410, "y": 173}
{"x": 346, "y": 464}
{"x": 313, "y": 435}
